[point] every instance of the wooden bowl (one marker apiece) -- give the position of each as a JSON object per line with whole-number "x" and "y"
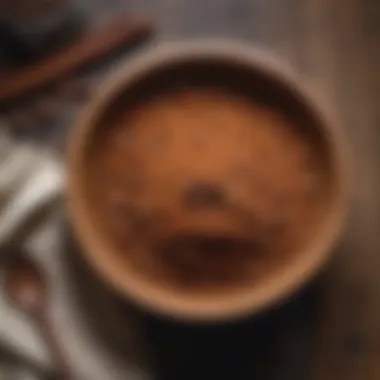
{"x": 275, "y": 84}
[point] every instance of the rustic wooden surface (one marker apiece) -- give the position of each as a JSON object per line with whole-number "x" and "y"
{"x": 335, "y": 45}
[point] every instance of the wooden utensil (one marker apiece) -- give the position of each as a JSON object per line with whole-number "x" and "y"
{"x": 26, "y": 287}
{"x": 126, "y": 29}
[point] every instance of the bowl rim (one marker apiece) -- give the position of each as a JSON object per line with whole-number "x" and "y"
{"x": 247, "y": 302}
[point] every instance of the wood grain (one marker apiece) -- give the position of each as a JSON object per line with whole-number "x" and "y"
{"x": 335, "y": 46}
{"x": 343, "y": 56}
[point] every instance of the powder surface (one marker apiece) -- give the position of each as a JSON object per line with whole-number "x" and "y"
{"x": 202, "y": 186}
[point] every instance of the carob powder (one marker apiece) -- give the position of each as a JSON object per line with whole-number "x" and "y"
{"x": 205, "y": 187}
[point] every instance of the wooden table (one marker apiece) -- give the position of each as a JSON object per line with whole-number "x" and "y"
{"x": 335, "y": 45}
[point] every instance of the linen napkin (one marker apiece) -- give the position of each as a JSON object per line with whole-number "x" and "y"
{"x": 31, "y": 178}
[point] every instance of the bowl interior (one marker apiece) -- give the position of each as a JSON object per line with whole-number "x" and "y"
{"x": 254, "y": 81}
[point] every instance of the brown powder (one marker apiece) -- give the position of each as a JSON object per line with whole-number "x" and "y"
{"x": 203, "y": 186}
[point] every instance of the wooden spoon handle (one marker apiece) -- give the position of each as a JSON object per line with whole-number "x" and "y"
{"x": 124, "y": 30}
{"x": 61, "y": 366}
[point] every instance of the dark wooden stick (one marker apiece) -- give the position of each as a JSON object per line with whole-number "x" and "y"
{"x": 125, "y": 30}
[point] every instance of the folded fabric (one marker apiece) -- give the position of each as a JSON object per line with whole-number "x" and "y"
{"x": 30, "y": 180}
